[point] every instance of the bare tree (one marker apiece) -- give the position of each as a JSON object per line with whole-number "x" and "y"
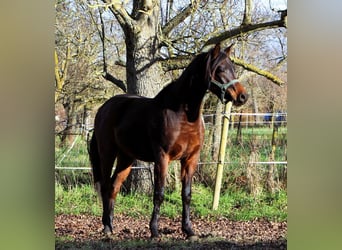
{"x": 163, "y": 36}
{"x": 79, "y": 84}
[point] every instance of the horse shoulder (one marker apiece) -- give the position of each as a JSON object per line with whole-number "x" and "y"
{"x": 181, "y": 136}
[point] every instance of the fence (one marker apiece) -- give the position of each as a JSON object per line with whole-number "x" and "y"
{"x": 256, "y": 157}
{"x": 254, "y": 125}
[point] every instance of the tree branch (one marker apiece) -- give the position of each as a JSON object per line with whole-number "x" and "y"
{"x": 125, "y": 20}
{"x": 247, "y": 17}
{"x": 258, "y": 71}
{"x": 116, "y": 81}
{"x": 60, "y": 75}
{"x": 168, "y": 27}
{"x": 175, "y": 63}
{"x": 105, "y": 74}
{"x": 182, "y": 62}
{"x": 245, "y": 29}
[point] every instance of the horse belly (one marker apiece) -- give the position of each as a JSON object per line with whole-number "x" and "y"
{"x": 135, "y": 144}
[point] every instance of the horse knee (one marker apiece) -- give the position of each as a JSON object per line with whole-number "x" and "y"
{"x": 186, "y": 197}
{"x": 158, "y": 197}
{"x": 186, "y": 194}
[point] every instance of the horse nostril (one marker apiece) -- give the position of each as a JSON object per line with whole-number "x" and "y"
{"x": 242, "y": 98}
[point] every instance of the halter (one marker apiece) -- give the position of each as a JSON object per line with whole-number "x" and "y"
{"x": 223, "y": 86}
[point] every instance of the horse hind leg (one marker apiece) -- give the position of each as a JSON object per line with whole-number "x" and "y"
{"x": 105, "y": 189}
{"x": 110, "y": 187}
{"x": 122, "y": 170}
{"x": 102, "y": 165}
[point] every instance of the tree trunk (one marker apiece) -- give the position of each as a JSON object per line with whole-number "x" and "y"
{"x": 144, "y": 77}
{"x": 255, "y": 108}
{"x": 68, "y": 134}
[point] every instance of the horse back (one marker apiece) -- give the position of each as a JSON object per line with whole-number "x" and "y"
{"x": 128, "y": 123}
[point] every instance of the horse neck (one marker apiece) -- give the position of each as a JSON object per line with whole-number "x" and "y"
{"x": 193, "y": 95}
{"x": 187, "y": 92}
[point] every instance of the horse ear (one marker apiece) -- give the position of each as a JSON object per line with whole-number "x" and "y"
{"x": 228, "y": 50}
{"x": 216, "y": 51}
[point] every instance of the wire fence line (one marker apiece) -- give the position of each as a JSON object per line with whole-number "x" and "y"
{"x": 273, "y": 119}
{"x": 199, "y": 163}
{"x": 267, "y": 119}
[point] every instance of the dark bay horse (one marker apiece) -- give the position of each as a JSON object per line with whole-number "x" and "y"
{"x": 160, "y": 129}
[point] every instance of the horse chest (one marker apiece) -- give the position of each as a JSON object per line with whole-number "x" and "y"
{"x": 185, "y": 140}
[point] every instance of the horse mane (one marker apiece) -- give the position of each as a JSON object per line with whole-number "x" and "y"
{"x": 178, "y": 91}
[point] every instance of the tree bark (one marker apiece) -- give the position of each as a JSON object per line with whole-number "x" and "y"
{"x": 144, "y": 77}
{"x": 60, "y": 73}
{"x": 247, "y": 17}
{"x": 143, "y": 70}
{"x": 68, "y": 134}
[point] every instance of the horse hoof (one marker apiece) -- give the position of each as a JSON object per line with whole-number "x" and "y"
{"x": 192, "y": 238}
{"x": 107, "y": 231}
{"x": 154, "y": 239}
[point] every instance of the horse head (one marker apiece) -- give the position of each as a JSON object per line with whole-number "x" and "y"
{"x": 222, "y": 79}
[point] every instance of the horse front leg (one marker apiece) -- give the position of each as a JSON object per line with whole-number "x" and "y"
{"x": 160, "y": 173}
{"x": 188, "y": 169}
{"x": 108, "y": 208}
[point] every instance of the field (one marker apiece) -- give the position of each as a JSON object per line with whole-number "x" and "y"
{"x": 249, "y": 216}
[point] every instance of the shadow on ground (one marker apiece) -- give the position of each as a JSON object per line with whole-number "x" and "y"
{"x": 147, "y": 244}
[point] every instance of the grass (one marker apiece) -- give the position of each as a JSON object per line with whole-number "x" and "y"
{"x": 235, "y": 205}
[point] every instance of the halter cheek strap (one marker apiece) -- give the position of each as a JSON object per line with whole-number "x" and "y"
{"x": 223, "y": 86}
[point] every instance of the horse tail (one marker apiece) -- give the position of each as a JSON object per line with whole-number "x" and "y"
{"x": 95, "y": 163}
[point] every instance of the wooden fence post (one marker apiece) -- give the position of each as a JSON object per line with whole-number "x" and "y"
{"x": 271, "y": 167}
{"x": 221, "y": 156}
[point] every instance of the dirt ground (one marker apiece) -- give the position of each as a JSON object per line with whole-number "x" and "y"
{"x": 84, "y": 232}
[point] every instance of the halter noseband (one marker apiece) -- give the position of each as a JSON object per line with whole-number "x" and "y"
{"x": 223, "y": 86}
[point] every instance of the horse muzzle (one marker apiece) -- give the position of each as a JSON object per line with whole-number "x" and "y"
{"x": 241, "y": 99}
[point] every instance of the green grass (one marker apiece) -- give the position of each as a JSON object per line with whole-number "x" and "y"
{"x": 237, "y": 205}
{"x": 80, "y": 199}
{"x": 75, "y": 155}
{"x": 75, "y": 194}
